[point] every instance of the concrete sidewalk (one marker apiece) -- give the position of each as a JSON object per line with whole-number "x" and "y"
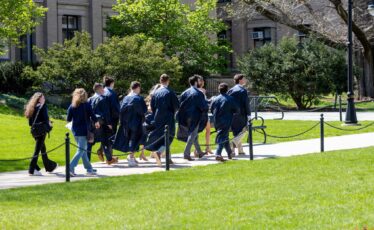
{"x": 314, "y": 116}
{"x": 285, "y": 149}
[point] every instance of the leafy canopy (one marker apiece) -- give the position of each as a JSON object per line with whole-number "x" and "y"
{"x": 187, "y": 31}
{"x": 18, "y": 17}
{"x": 75, "y": 64}
{"x": 303, "y": 71}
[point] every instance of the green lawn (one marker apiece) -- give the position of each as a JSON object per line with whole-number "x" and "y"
{"x": 332, "y": 190}
{"x": 16, "y": 141}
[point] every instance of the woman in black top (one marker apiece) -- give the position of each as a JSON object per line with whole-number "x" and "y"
{"x": 36, "y": 111}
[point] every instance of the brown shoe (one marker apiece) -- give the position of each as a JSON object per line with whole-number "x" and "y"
{"x": 195, "y": 154}
{"x": 189, "y": 158}
{"x": 220, "y": 158}
{"x": 113, "y": 161}
{"x": 201, "y": 155}
{"x": 100, "y": 155}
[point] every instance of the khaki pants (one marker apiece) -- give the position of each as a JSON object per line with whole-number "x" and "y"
{"x": 237, "y": 141}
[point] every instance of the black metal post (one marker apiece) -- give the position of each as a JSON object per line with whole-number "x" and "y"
{"x": 250, "y": 139}
{"x": 256, "y": 98}
{"x": 350, "y": 116}
{"x": 322, "y": 125}
{"x": 67, "y": 157}
{"x": 167, "y": 150}
{"x": 340, "y": 108}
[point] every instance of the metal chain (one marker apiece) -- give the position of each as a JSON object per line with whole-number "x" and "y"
{"x": 349, "y": 130}
{"x": 291, "y": 136}
{"x": 29, "y": 158}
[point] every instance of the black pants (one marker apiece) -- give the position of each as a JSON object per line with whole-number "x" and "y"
{"x": 49, "y": 165}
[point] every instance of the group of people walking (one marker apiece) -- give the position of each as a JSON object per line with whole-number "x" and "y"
{"x": 142, "y": 121}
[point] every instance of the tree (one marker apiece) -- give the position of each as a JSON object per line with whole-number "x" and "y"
{"x": 325, "y": 19}
{"x": 186, "y": 31}
{"x": 18, "y": 17}
{"x": 302, "y": 71}
{"x": 136, "y": 58}
{"x": 75, "y": 64}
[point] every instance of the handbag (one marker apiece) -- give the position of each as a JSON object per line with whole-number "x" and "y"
{"x": 90, "y": 134}
{"x": 41, "y": 128}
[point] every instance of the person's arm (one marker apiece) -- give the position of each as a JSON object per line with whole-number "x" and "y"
{"x": 91, "y": 115}
{"x": 153, "y": 104}
{"x": 143, "y": 106}
{"x": 69, "y": 117}
{"x": 247, "y": 104}
{"x": 174, "y": 101}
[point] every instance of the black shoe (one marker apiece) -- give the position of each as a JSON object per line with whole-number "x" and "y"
{"x": 242, "y": 154}
{"x": 220, "y": 158}
{"x": 201, "y": 155}
{"x": 230, "y": 157}
{"x": 189, "y": 158}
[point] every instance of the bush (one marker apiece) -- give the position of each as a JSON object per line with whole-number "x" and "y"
{"x": 75, "y": 64}
{"x": 12, "y": 79}
{"x": 303, "y": 71}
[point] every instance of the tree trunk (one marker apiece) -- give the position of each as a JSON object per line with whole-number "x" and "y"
{"x": 368, "y": 78}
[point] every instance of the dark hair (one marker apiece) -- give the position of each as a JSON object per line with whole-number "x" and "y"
{"x": 134, "y": 85}
{"x": 238, "y": 77}
{"x": 164, "y": 78}
{"x": 223, "y": 88}
{"x": 97, "y": 86}
{"x": 195, "y": 78}
{"x": 108, "y": 80}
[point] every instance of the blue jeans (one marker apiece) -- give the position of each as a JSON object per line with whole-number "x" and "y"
{"x": 225, "y": 145}
{"x": 192, "y": 140}
{"x": 81, "y": 153}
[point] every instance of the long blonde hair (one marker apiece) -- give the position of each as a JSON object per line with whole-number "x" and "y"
{"x": 151, "y": 92}
{"x": 31, "y": 104}
{"x": 79, "y": 97}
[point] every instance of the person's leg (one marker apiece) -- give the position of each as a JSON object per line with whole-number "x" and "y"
{"x": 89, "y": 150}
{"x": 49, "y": 165}
{"x": 190, "y": 141}
{"x": 78, "y": 154}
{"x": 228, "y": 149}
{"x": 83, "y": 146}
{"x": 219, "y": 150}
{"x": 106, "y": 149}
{"x": 34, "y": 161}
{"x": 208, "y": 150}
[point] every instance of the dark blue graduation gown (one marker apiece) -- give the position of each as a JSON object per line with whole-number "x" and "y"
{"x": 223, "y": 108}
{"x": 192, "y": 112}
{"x": 101, "y": 108}
{"x": 240, "y": 94}
{"x": 132, "y": 111}
{"x": 164, "y": 104}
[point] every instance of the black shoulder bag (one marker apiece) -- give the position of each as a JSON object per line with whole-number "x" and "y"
{"x": 41, "y": 128}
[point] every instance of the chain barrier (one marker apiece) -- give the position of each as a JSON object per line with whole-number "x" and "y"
{"x": 223, "y": 142}
{"x": 292, "y": 136}
{"x": 127, "y": 153}
{"x": 349, "y": 130}
{"x": 29, "y": 158}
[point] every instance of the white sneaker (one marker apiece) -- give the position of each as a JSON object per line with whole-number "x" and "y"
{"x": 91, "y": 174}
{"x": 36, "y": 173}
{"x": 72, "y": 174}
{"x": 132, "y": 162}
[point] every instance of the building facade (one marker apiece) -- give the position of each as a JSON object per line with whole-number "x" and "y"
{"x": 64, "y": 17}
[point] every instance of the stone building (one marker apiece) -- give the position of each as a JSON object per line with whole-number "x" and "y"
{"x": 64, "y": 17}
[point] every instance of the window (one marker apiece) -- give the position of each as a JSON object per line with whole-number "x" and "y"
{"x": 225, "y": 38}
{"x": 223, "y": 1}
{"x": 5, "y": 54}
{"x": 261, "y": 36}
{"x": 26, "y": 53}
{"x": 70, "y": 24}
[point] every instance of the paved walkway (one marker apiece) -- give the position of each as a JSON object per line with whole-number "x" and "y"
{"x": 315, "y": 116}
{"x": 285, "y": 149}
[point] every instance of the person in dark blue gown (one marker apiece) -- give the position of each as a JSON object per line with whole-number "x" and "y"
{"x": 132, "y": 116}
{"x": 101, "y": 108}
{"x": 164, "y": 105}
{"x": 223, "y": 108}
{"x": 239, "y": 126}
{"x": 191, "y": 115}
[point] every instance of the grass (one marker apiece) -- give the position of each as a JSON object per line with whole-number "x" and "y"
{"x": 16, "y": 141}
{"x": 317, "y": 191}
{"x": 328, "y": 101}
